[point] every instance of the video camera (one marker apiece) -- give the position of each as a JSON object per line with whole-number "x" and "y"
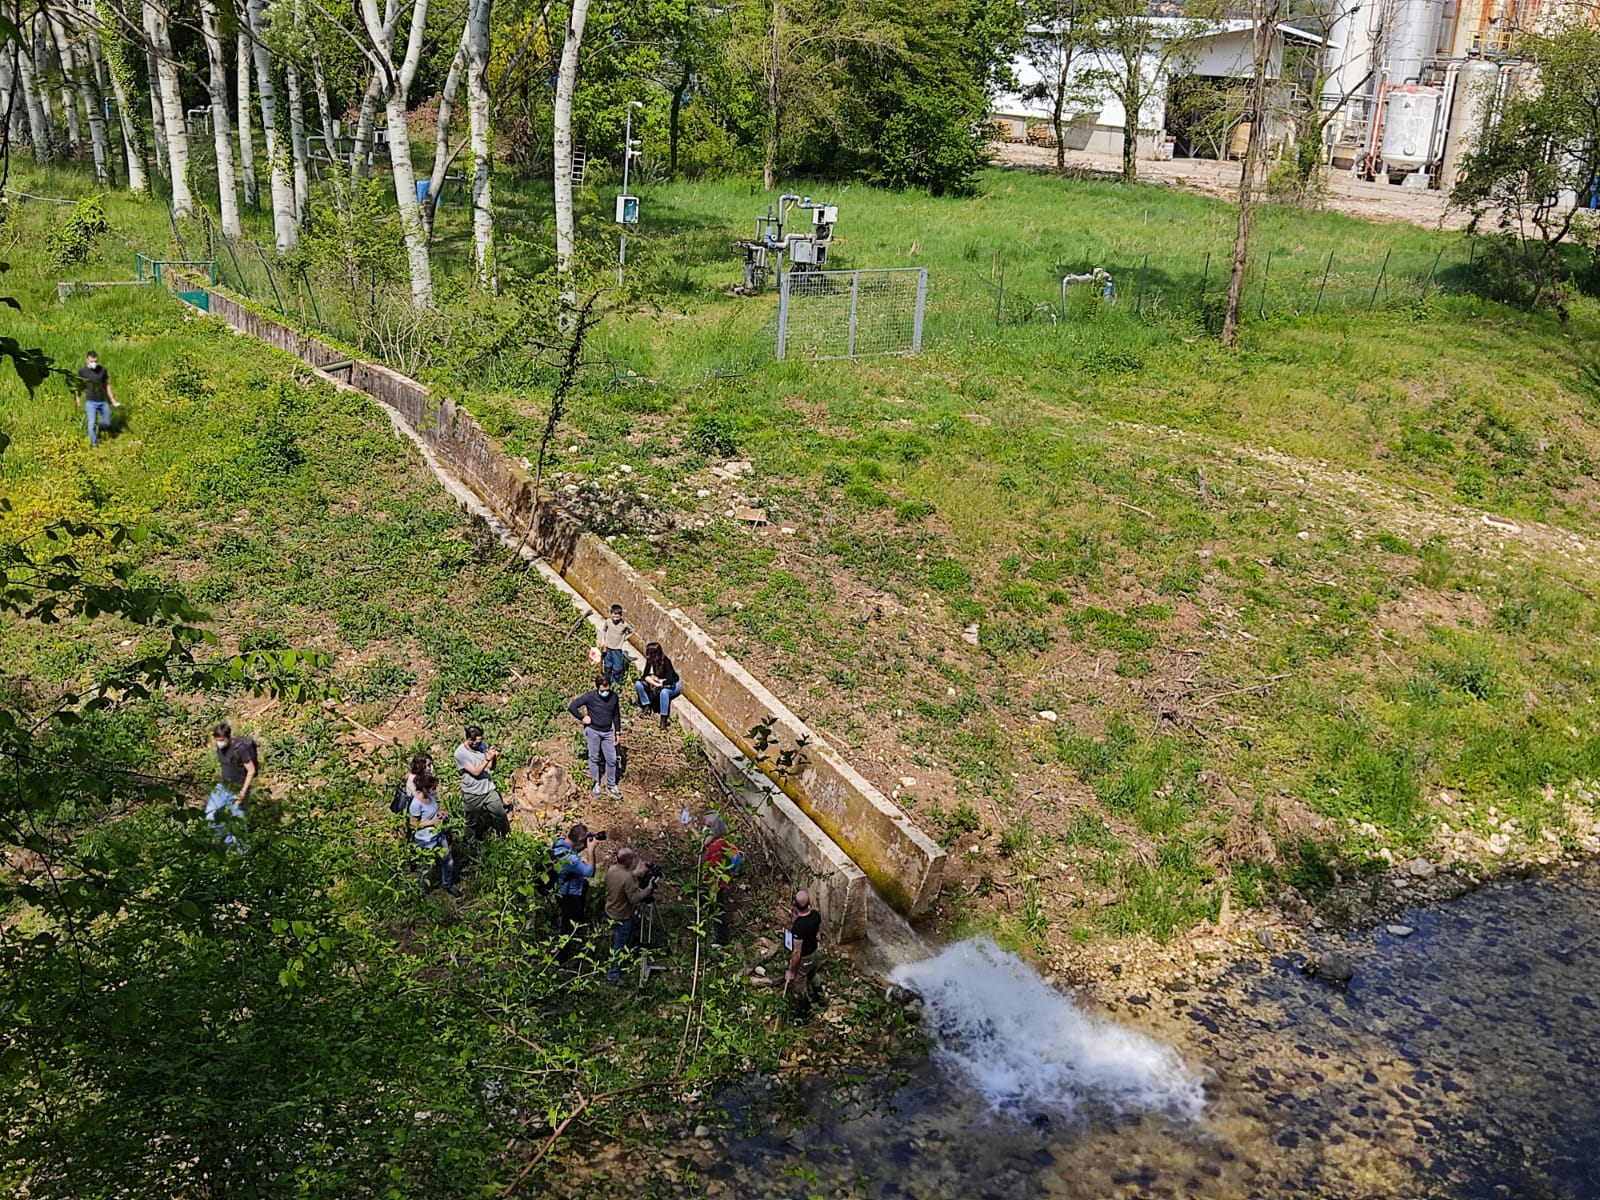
{"x": 600, "y": 836}
{"x": 651, "y": 874}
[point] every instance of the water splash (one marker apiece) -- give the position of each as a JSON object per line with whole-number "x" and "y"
{"x": 1025, "y": 1046}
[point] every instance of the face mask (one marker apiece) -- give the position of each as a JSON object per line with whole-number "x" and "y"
{"x": 605, "y": 691}
{"x": 222, "y": 745}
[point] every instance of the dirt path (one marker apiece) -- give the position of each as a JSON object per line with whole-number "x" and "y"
{"x": 1346, "y": 194}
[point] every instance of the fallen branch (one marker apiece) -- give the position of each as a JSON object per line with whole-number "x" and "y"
{"x": 1141, "y": 511}
{"x": 555, "y": 1135}
{"x": 1258, "y": 687}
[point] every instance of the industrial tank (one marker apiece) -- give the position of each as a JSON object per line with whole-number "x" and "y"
{"x": 1413, "y": 37}
{"x": 1409, "y": 114}
{"x": 1477, "y": 84}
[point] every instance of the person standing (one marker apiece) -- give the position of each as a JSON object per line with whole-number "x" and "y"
{"x": 237, "y": 765}
{"x": 427, "y": 821}
{"x": 573, "y": 872}
{"x": 660, "y": 685}
{"x": 97, "y": 399}
{"x": 805, "y": 929}
{"x": 480, "y": 799}
{"x": 613, "y": 642}
{"x": 626, "y": 890}
{"x": 722, "y": 858}
{"x": 602, "y": 724}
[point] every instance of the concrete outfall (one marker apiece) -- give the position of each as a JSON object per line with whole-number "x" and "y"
{"x": 821, "y": 813}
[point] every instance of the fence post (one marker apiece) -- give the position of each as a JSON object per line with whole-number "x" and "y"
{"x": 1382, "y": 271}
{"x": 922, "y": 299}
{"x": 855, "y": 300}
{"x": 1000, "y": 296}
{"x": 1321, "y": 287}
{"x": 783, "y": 313}
{"x": 243, "y": 286}
{"x": 1205, "y": 277}
{"x": 1428, "y": 282}
{"x": 277, "y": 299}
{"x": 1261, "y": 309}
{"x": 1138, "y": 300}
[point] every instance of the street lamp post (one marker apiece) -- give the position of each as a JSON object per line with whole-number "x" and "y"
{"x": 627, "y": 206}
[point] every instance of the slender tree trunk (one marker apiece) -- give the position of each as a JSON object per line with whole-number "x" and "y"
{"x": 362, "y": 149}
{"x": 56, "y": 39}
{"x": 1130, "y": 121}
{"x": 158, "y": 122}
{"x": 441, "y": 133}
{"x": 1059, "y": 103}
{"x": 41, "y": 126}
{"x": 479, "y": 13}
{"x": 319, "y": 85}
{"x": 79, "y": 78}
{"x": 7, "y": 89}
{"x": 247, "y": 137}
{"x": 286, "y": 232}
{"x": 132, "y": 143}
{"x": 566, "y": 85}
{"x": 769, "y": 166}
{"x": 297, "y": 138}
{"x": 1266, "y": 18}
{"x": 675, "y": 117}
{"x": 221, "y": 131}
{"x": 155, "y": 24}
{"x": 399, "y": 82}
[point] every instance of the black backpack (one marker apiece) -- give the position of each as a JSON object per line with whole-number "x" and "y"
{"x": 400, "y": 801}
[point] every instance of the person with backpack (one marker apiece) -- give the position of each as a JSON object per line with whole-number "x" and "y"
{"x": 573, "y": 872}
{"x": 722, "y": 858}
{"x": 426, "y": 820}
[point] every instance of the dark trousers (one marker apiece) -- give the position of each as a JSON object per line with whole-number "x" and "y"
{"x": 574, "y": 917}
{"x": 721, "y": 915}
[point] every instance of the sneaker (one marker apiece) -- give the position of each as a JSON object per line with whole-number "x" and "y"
{"x": 612, "y": 790}
{"x": 597, "y": 791}
{"x": 452, "y": 890}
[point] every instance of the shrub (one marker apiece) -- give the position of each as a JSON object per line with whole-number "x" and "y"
{"x": 74, "y": 239}
{"x": 712, "y": 436}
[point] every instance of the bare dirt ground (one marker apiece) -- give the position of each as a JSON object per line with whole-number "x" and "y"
{"x": 1346, "y": 194}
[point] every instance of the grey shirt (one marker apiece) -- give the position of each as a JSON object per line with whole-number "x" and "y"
{"x": 473, "y": 785}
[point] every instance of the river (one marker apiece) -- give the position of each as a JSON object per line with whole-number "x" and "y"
{"x": 1461, "y": 1062}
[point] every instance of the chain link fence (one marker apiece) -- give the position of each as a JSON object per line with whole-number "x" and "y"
{"x": 851, "y": 314}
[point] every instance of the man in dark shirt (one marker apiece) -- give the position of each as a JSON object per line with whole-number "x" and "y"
{"x": 801, "y": 940}
{"x": 602, "y": 722}
{"x": 237, "y": 764}
{"x": 97, "y": 399}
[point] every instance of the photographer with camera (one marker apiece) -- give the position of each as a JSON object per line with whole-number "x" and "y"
{"x": 630, "y": 882}
{"x": 485, "y": 810}
{"x": 573, "y": 858}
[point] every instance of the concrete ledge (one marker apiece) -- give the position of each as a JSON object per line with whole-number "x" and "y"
{"x": 902, "y": 862}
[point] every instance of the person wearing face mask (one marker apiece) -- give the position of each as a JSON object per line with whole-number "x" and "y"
{"x": 237, "y": 765}
{"x": 602, "y": 723}
{"x": 480, "y": 799}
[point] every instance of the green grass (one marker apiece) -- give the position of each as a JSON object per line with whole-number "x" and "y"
{"x": 1258, "y": 572}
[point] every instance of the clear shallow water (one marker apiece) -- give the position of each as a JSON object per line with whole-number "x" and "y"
{"x": 1463, "y": 1062}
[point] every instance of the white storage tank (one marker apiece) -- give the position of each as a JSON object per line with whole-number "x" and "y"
{"x": 1409, "y": 115}
{"x": 1477, "y": 85}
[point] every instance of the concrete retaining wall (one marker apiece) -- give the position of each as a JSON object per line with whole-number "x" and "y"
{"x": 902, "y": 862}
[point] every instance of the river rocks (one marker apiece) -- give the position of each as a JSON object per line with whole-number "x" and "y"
{"x": 1268, "y": 942}
{"x": 1334, "y": 969}
{"x": 1400, "y": 930}
{"x": 1420, "y": 868}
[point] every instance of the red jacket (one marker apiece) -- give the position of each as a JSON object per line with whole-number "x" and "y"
{"x": 719, "y": 858}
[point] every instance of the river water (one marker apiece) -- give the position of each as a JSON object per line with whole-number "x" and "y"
{"x": 1463, "y": 1062}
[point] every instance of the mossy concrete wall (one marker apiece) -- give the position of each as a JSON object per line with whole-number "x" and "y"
{"x": 901, "y": 861}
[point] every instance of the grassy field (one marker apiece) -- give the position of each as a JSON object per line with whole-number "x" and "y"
{"x": 1128, "y": 621}
{"x": 295, "y": 517}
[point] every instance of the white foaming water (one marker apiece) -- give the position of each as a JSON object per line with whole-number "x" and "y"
{"x": 1024, "y": 1045}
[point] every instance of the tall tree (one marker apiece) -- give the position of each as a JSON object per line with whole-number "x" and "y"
{"x": 1056, "y": 33}
{"x": 479, "y": 14}
{"x": 40, "y": 131}
{"x": 566, "y": 85}
{"x": 221, "y": 129}
{"x": 112, "y": 51}
{"x": 73, "y": 52}
{"x": 441, "y": 133}
{"x": 247, "y": 139}
{"x": 157, "y": 30}
{"x": 1534, "y": 171}
{"x": 396, "y": 83}
{"x": 1264, "y": 35}
{"x": 285, "y": 228}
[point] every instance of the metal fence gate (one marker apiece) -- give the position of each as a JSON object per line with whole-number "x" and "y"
{"x": 851, "y": 314}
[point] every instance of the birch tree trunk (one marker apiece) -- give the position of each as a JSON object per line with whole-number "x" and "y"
{"x": 221, "y": 131}
{"x": 479, "y": 13}
{"x": 39, "y": 132}
{"x": 93, "y": 105}
{"x": 398, "y": 83}
{"x": 441, "y": 134}
{"x": 297, "y": 137}
{"x": 286, "y": 232}
{"x": 158, "y": 122}
{"x": 319, "y": 84}
{"x": 566, "y": 85}
{"x": 155, "y": 25}
{"x": 132, "y": 143}
{"x": 247, "y": 137}
{"x": 55, "y": 38}
{"x": 34, "y": 76}
{"x": 368, "y": 117}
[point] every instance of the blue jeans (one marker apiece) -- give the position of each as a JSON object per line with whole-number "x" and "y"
{"x": 664, "y": 700}
{"x": 440, "y": 853}
{"x": 616, "y": 664}
{"x": 99, "y": 416}
{"x": 621, "y": 935}
{"x": 222, "y": 799}
{"x": 602, "y": 745}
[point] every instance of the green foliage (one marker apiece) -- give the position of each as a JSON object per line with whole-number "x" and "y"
{"x": 712, "y": 435}
{"x": 74, "y": 239}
